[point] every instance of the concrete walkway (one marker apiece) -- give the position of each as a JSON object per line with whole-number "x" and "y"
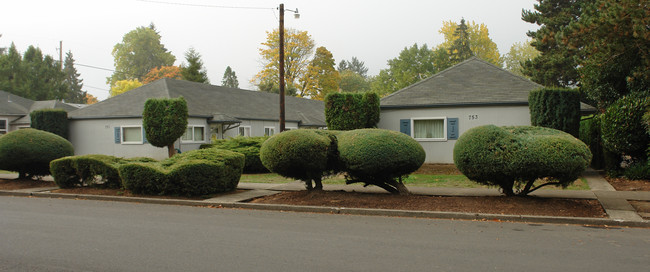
{"x": 615, "y": 203}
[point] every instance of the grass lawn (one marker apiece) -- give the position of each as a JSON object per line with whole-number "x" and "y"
{"x": 422, "y": 180}
{"x": 6, "y": 172}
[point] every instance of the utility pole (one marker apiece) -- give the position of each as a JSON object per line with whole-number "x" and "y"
{"x": 281, "y": 68}
{"x": 61, "y": 55}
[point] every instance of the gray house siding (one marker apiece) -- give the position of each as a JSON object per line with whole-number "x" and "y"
{"x": 441, "y": 150}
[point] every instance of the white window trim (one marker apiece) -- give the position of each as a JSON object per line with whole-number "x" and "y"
{"x": 6, "y": 129}
{"x": 244, "y": 127}
{"x": 273, "y": 128}
{"x": 444, "y": 133}
{"x": 131, "y": 143}
{"x": 193, "y": 138}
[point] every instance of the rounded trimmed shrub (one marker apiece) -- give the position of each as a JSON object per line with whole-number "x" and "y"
{"x": 379, "y": 157}
{"x": 30, "y": 151}
{"x": 83, "y": 170}
{"x": 515, "y": 157}
{"x": 622, "y": 126}
{"x": 249, "y": 146}
{"x": 301, "y": 154}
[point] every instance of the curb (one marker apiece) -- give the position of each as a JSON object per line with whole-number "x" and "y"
{"x": 605, "y": 222}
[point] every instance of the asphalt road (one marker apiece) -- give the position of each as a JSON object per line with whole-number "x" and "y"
{"x": 38, "y": 234}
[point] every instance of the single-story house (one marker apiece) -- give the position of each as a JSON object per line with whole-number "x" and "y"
{"x": 114, "y": 126}
{"x": 437, "y": 110}
{"x": 14, "y": 110}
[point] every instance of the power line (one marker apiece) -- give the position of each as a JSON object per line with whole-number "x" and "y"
{"x": 95, "y": 67}
{"x": 203, "y": 5}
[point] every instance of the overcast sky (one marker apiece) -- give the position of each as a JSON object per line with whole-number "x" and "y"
{"x": 373, "y": 31}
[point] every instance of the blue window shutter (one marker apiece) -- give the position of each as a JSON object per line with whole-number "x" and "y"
{"x": 452, "y": 128}
{"x": 118, "y": 135}
{"x": 144, "y": 136}
{"x": 405, "y": 126}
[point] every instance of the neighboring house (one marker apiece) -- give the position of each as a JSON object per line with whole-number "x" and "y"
{"x": 14, "y": 110}
{"x": 114, "y": 126}
{"x": 437, "y": 110}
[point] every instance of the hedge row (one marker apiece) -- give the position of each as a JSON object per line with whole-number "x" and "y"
{"x": 29, "y": 151}
{"x": 513, "y": 158}
{"x": 249, "y": 146}
{"x": 193, "y": 173}
{"x": 347, "y": 111}
{"x": 371, "y": 156}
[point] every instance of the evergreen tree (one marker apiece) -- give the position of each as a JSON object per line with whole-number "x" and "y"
{"x": 74, "y": 84}
{"x": 460, "y": 50}
{"x": 355, "y": 65}
{"x": 10, "y": 65}
{"x": 556, "y": 66}
{"x": 194, "y": 71}
{"x": 230, "y": 79}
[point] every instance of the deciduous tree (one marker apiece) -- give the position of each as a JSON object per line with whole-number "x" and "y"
{"x": 480, "y": 43}
{"x": 123, "y": 86}
{"x": 412, "y": 65}
{"x": 321, "y": 77}
{"x": 157, "y": 73}
{"x": 90, "y": 99}
{"x": 138, "y": 53}
{"x": 519, "y": 53}
{"x": 299, "y": 46}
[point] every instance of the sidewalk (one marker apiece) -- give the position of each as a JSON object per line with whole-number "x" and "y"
{"x": 615, "y": 203}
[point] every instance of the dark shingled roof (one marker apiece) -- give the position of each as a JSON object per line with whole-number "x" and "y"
{"x": 209, "y": 101}
{"x": 471, "y": 82}
{"x": 11, "y": 104}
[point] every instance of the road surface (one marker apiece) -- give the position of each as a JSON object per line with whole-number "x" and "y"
{"x": 38, "y": 234}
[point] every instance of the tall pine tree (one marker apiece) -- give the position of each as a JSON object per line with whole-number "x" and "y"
{"x": 230, "y": 78}
{"x": 460, "y": 49}
{"x": 71, "y": 79}
{"x": 194, "y": 71}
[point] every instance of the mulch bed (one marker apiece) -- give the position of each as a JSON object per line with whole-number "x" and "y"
{"x": 17, "y": 184}
{"x": 624, "y": 184}
{"x": 492, "y": 205}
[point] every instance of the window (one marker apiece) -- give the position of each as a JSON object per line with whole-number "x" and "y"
{"x": 194, "y": 134}
{"x": 4, "y": 126}
{"x": 431, "y": 128}
{"x": 269, "y": 131}
{"x": 132, "y": 135}
{"x": 245, "y": 131}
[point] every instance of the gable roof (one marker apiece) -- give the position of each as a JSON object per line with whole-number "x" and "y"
{"x": 209, "y": 101}
{"x": 471, "y": 82}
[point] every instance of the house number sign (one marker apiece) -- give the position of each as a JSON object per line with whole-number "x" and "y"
{"x": 473, "y": 117}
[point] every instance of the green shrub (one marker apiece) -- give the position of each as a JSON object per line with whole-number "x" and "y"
{"x": 639, "y": 170}
{"x": 249, "y": 146}
{"x": 30, "y": 151}
{"x": 379, "y": 157}
{"x": 347, "y": 111}
{"x": 86, "y": 170}
{"x": 515, "y": 157}
{"x": 590, "y": 135}
{"x": 50, "y": 120}
{"x": 193, "y": 173}
{"x": 301, "y": 154}
{"x": 555, "y": 108}
{"x": 623, "y": 129}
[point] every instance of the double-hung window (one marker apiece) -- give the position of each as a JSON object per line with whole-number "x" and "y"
{"x": 132, "y": 135}
{"x": 194, "y": 134}
{"x": 4, "y": 126}
{"x": 429, "y": 128}
{"x": 245, "y": 131}
{"x": 269, "y": 131}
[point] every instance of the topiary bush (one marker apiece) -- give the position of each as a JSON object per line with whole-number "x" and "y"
{"x": 379, "y": 157}
{"x": 164, "y": 121}
{"x": 302, "y": 154}
{"x": 29, "y": 151}
{"x": 50, "y": 120}
{"x": 193, "y": 173}
{"x": 90, "y": 170}
{"x": 555, "y": 108}
{"x": 591, "y": 136}
{"x": 249, "y": 146}
{"x": 347, "y": 111}
{"x": 623, "y": 129}
{"x": 513, "y": 158}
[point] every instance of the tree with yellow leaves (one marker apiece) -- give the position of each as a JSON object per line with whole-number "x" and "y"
{"x": 321, "y": 77}
{"x": 479, "y": 41}
{"x": 298, "y": 48}
{"x": 122, "y": 86}
{"x": 519, "y": 53}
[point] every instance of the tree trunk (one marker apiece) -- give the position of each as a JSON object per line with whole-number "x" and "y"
{"x": 171, "y": 151}
{"x": 318, "y": 184}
